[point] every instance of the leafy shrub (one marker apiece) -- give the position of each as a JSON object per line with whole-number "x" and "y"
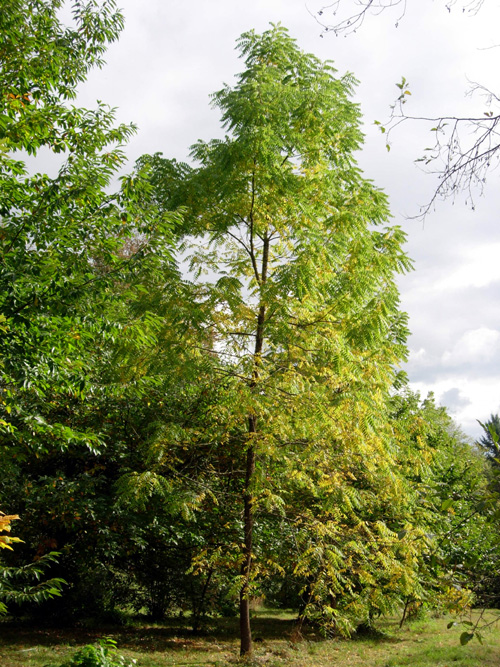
{"x": 102, "y": 654}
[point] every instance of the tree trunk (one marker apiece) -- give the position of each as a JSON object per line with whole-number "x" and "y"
{"x": 246, "y": 645}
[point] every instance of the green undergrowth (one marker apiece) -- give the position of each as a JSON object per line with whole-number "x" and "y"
{"x": 422, "y": 643}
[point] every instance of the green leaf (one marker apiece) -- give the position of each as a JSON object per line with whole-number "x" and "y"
{"x": 465, "y": 637}
{"x": 446, "y": 504}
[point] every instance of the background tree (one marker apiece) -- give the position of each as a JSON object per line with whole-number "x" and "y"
{"x": 452, "y": 479}
{"x": 489, "y": 441}
{"x": 62, "y": 237}
{"x": 70, "y": 249}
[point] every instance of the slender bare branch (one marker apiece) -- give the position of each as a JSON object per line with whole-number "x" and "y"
{"x": 349, "y": 21}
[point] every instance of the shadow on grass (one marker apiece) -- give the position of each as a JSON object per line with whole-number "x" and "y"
{"x": 176, "y": 634}
{"x": 140, "y": 635}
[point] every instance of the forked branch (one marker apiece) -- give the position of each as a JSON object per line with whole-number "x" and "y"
{"x": 349, "y": 15}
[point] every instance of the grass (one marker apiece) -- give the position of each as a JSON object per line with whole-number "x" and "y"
{"x": 424, "y": 643}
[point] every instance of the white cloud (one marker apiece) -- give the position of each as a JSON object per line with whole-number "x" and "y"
{"x": 468, "y": 400}
{"x": 478, "y": 267}
{"x": 419, "y": 356}
{"x": 477, "y": 346}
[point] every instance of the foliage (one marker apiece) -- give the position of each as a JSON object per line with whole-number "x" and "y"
{"x": 63, "y": 241}
{"x": 301, "y": 324}
{"x": 191, "y": 442}
{"x": 102, "y": 654}
{"x": 489, "y": 441}
{"x": 16, "y": 582}
{"x": 17, "y": 587}
{"x": 450, "y": 478}
{"x": 5, "y": 527}
{"x": 6, "y": 540}
{"x": 459, "y": 495}
{"x": 71, "y": 249}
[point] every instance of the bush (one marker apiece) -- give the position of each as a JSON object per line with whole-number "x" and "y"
{"x": 102, "y": 654}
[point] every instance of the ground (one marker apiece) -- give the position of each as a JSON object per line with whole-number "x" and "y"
{"x": 422, "y": 643}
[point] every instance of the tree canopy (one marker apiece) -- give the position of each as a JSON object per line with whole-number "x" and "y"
{"x": 489, "y": 441}
{"x": 63, "y": 238}
{"x": 201, "y": 394}
{"x": 300, "y": 309}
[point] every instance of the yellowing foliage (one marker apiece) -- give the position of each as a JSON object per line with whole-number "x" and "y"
{"x": 5, "y": 521}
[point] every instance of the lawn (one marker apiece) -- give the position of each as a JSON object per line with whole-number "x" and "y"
{"x": 423, "y": 643}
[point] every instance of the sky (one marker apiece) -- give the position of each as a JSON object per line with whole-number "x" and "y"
{"x": 173, "y": 54}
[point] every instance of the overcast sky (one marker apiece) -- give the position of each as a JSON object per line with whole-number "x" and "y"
{"x": 173, "y": 54}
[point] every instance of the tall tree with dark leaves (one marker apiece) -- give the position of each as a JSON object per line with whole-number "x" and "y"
{"x": 70, "y": 248}
{"x": 63, "y": 238}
